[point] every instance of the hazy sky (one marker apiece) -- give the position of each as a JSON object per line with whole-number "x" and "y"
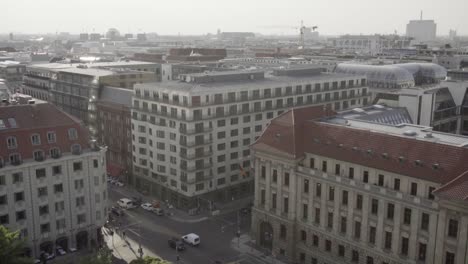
{"x": 203, "y": 16}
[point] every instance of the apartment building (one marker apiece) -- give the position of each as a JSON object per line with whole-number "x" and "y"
{"x": 191, "y": 137}
{"x": 38, "y": 78}
{"x": 336, "y": 190}
{"x": 52, "y": 179}
{"x": 114, "y": 130}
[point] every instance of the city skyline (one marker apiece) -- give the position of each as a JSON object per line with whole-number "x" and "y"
{"x": 201, "y": 17}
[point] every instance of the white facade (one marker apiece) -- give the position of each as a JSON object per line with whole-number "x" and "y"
{"x": 421, "y": 30}
{"x": 192, "y": 142}
{"x": 55, "y": 201}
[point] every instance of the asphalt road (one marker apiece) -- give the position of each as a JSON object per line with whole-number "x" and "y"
{"x": 216, "y": 234}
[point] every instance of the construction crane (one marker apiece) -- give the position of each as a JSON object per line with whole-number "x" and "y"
{"x": 302, "y": 30}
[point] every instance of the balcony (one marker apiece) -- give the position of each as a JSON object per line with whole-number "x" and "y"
{"x": 194, "y": 168}
{"x": 196, "y": 155}
{"x": 195, "y": 131}
{"x": 196, "y": 143}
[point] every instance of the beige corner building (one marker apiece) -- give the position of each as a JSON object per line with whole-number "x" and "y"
{"x": 329, "y": 190}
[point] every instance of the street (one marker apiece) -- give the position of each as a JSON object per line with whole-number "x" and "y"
{"x": 216, "y": 233}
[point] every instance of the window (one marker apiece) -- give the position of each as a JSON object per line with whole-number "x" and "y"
{"x": 337, "y": 169}
{"x": 357, "y": 229}
{"x": 77, "y": 166}
{"x": 365, "y": 177}
{"x": 306, "y": 186}
{"x": 11, "y": 143}
{"x": 286, "y": 205}
{"x": 396, "y": 184}
{"x": 51, "y": 137}
{"x": 283, "y": 232}
{"x": 343, "y": 225}
{"x": 328, "y": 245}
{"x": 262, "y": 197}
{"x": 72, "y": 134}
{"x": 425, "y": 221}
{"x": 324, "y": 166}
{"x": 19, "y": 196}
{"x": 45, "y": 228}
{"x": 317, "y": 215}
{"x": 381, "y": 180}
{"x": 449, "y": 258}
{"x": 318, "y": 189}
{"x": 453, "y": 228}
{"x": 42, "y": 191}
{"x": 81, "y": 218}
{"x": 286, "y": 179}
{"x": 2, "y": 180}
{"x": 312, "y": 163}
{"x": 404, "y": 246}
{"x": 359, "y": 202}
{"x": 390, "y": 211}
{"x": 388, "y": 240}
{"x": 35, "y": 139}
{"x": 305, "y": 211}
{"x": 273, "y": 200}
{"x": 3, "y": 200}
{"x": 331, "y": 193}
{"x": 303, "y": 236}
{"x": 56, "y": 170}
{"x": 414, "y": 188}
{"x": 59, "y": 206}
{"x": 351, "y": 173}
{"x": 375, "y": 206}
{"x": 43, "y": 210}
{"x": 407, "y": 216}
{"x": 263, "y": 174}
{"x": 58, "y": 188}
{"x": 17, "y": 177}
{"x": 341, "y": 250}
{"x": 20, "y": 215}
{"x": 422, "y": 251}
{"x": 344, "y": 198}
{"x": 315, "y": 240}
{"x": 372, "y": 234}
{"x": 95, "y": 163}
{"x": 369, "y": 260}
{"x": 40, "y": 173}
{"x": 330, "y": 220}
{"x": 355, "y": 256}
{"x": 430, "y": 194}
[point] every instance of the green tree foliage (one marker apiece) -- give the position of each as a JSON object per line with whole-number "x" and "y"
{"x": 103, "y": 256}
{"x": 12, "y": 248}
{"x": 149, "y": 260}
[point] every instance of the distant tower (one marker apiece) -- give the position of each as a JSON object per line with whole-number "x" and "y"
{"x": 11, "y": 35}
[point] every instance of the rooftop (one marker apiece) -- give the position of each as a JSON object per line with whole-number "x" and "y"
{"x": 410, "y": 150}
{"x": 376, "y": 113}
{"x": 269, "y": 81}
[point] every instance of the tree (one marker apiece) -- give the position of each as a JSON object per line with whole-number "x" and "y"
{"x": 12, "y": 247}
{"x": 102, "y": 256}
{"x": 149, "y": 260}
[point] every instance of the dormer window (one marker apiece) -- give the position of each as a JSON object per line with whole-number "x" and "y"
{"x": 12, "y": 143}
{"x": 72, "y": 134}
{"x": 369, "y": 151}
{"x": 51, "y": 137}
{"x": 76, "y": 149}
{"x": 435, "y": 166}
{"x": 418, "y": 163}
{"x": 35, "y": 139}
{"x": 385, "y": 155}
{"x": 401, "y": 159}
{"x": 38, "y": 155}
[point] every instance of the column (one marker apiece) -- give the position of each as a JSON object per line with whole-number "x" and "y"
{"x": 440, "y": 237}
{"x": 462, "y": 238}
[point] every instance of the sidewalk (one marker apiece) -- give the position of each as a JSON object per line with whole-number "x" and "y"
{"x": 181, "y": 215}
{"x": 252, "y": 253}
{"x": 124, "y": 250}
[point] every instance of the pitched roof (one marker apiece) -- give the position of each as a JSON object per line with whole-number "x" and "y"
{"x": 17, "y": 117}
{"x": 301, "y": 131}
{"x": 457, "y": 189}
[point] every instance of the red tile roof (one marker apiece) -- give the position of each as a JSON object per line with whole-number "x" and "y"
{"x": 457, "y": 189}
{"x": 299, "y": 131}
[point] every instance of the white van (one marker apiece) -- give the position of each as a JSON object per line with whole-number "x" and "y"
{"x": 126, "y": 203}
{"x": 192, "y": 239}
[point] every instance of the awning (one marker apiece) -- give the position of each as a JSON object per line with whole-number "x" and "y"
{"x": 114, "y": 170}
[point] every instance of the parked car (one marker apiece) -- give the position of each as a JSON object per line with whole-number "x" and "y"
{"x": 117, "y": 211}
{"x": 137, "y": 201}
{"x": 176, "y": 244}
{"x": 126, "y": 203}
{"x": 147, "y": 207}
{"x": 158, "y": 211}
{"x": 191, "y": 239}
{"x": 60, "y": 251}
